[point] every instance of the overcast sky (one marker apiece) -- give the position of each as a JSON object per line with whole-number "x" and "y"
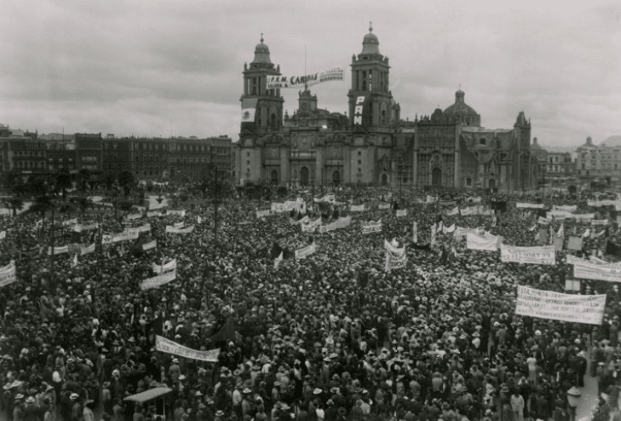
{"x": 149, "y": 67}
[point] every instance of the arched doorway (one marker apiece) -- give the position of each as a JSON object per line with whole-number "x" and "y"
{"x": 304, "y": 176}
{"x": 384, "y": 179}
{"x": 336, "y": 178}
{"x": 492, "y": 183}
{"x": 274, "y": 177}
{"x": 436, "y": 177}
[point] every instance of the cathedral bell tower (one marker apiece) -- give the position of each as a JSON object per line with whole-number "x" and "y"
{"x": 370, "y": 100}
{"x": 261, "y": 107}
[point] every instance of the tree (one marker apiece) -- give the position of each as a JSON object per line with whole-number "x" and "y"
{"x": 109, "y": 180}
{"x": 68, "y": 208}
{"x": 84, "y": 179}
{"x": 36, "y": 185}
{"x": 82, "y": 203}
{"x": 126, "y": 181}
{"x": 282, "y": 191}
{"x": 63, "y": 181}
{"x": 14, "y": 203}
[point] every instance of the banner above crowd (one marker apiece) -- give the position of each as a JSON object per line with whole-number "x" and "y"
{"x": 372, "y": 227}
{"x": 302, "y": 82}
{"x": 166, "y": 345}
{"x": 588, "y": 309}
{"x": 305, "y": 251}
{"x": 485, "y": 242}
{"x": 158, "y": 269}
{"x": 176, "y": 230}
{"x": 8, "y": 274}
{"x": 158, "y": 280}
{"x": 533, "y": 255}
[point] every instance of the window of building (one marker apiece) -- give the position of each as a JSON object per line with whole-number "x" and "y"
{"x": 482, "y": 141}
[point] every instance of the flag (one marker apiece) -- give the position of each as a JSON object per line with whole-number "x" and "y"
{"x": 249, "y": 107}
{"x": 226, "y": 333}
{"x": 587, "y": 233}
{"x": 433, "y": 235}
{"x": 75, "y": 260}
{"x": 278, "y": 260}
{"x": 561, "y": 231}
{"x": 415, "y": 233}
{"x": 613, "y": 249}
{"x": 276, "y": 250}
{"x": 551, "y": 234}
{"x": 533, "y": 228}
{"x": 199, "y": 219}
{"x": 449, "y": 229}
{"x": 574, "y": 243}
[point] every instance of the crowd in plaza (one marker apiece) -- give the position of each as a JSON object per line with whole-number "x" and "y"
{"x": 332, "y": 336}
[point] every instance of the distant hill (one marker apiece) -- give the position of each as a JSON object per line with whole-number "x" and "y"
{"x": 612, "y": 141}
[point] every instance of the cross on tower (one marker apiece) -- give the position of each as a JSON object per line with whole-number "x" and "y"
{"x": 261, "y": 37}
{"x": 370, "y": 26}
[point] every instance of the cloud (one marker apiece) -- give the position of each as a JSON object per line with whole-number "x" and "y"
{"x": 130, "y": 66}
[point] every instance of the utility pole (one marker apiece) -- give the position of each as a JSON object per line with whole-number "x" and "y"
{"x": 52, "y": 239}
{"x": 215, "y": 204}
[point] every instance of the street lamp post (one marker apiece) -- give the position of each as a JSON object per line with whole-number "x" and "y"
{"x": 573, "y": 399}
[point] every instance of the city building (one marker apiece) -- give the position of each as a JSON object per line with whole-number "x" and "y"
{"x": 89, "y": 152}
{"x": 542, "y": 160}
{"x": 598, "y": 163}
{"x": 160, "y": 159}
{"x": 372, "y": 145}
{"x": 560, "y": 168}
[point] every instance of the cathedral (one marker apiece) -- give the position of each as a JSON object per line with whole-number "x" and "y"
{"x": 372, "y": 145}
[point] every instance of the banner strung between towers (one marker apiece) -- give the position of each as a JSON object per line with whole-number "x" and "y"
{"x": 299, "y": 82}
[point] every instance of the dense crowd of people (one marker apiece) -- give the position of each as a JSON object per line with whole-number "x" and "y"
{"x": 329, "y": 337}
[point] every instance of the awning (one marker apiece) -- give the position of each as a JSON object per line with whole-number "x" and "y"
{"x": 149, "y": 395}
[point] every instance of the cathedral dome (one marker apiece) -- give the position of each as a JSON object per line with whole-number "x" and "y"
{"x": 261, "y": 53}
{"x": 464, "y": 112}
{"x": 370, "y": 43}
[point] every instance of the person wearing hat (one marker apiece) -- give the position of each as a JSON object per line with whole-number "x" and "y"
{"x": 219, "y": 415}
{"x": 106, "y": 398}
{"x": 247, "y": 406}
{"x": 174, "y": 371}
{"x": 87, "y": 412}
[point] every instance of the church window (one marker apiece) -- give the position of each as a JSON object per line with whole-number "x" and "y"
{"x": 364, "y": 81}
{"x": 383, "y": 117}
{"x": 482, "y": 141}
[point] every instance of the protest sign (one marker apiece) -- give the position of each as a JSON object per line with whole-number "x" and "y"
{"x": 532, "y": 255}
{"x": 158, "y": 280}
{"x": 166, "y": 267}
{"x": 486, "y": 242}
{"x": 175, "y": 230}
{"x": 166, "y": 345}
{"x": 305, "y": 251}
{"x": 372, "y": 227}
{"x": 588, "y": 309}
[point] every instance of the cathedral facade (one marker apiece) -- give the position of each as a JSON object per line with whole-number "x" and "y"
{"x": 372, "y": 145}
